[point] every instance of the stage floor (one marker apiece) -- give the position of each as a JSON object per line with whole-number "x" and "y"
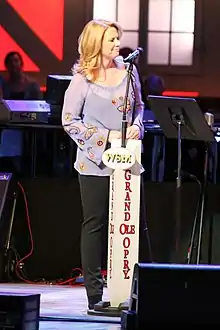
{"x": 63, "y": 307}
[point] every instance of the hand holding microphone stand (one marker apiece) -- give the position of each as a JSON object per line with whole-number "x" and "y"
{"x": 130, "y": 59}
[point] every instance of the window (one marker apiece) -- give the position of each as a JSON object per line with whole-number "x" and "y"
{"x": 169, "y": 31}
{"x": 170, "y": 34}
{"x": 126, "y": 13}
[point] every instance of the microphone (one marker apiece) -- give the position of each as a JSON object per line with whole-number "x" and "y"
{"x": 209, "y": 117}
{"x": 216, "y": 130}
{"x": 132, "y": 56}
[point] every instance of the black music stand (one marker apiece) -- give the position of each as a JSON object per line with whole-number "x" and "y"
{"x": 181, "y": 118}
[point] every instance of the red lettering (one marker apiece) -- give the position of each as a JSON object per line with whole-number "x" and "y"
{"x": 126, "y": 276}
{"x": 127, "y": 216}
{"x": 127, "y": 229}
{"x": 127, "y": 197}
{"x": 132, "y": 230}
{"x": 128, "y": 175}
{"x": 127, "y": 206}
{"x": 126, "y": 262}
{"x": 126, "y": 270}
{"x": 123, "y": 229}
{"x": 128, "y": 186}
{"x": 126, "y": 253}
{"x": 126, "y": 242}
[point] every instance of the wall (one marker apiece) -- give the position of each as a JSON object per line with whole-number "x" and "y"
{"x": 207, "y": 81}
{"x": 76, "y": 13}
{"x": 36, "y": 28}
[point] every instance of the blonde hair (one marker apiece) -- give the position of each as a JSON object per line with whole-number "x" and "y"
{"x": 90, "y": 44}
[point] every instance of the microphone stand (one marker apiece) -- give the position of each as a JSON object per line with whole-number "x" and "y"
{"x": 130, "y": 59}
{"x": 124, "y": 124}
{"x": 179, "y": 122}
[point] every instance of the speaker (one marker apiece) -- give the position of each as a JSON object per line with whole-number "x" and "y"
{"x": 19, "y": 311}
{"x": 173, "y": 294}
{"x": 8, "y": 190}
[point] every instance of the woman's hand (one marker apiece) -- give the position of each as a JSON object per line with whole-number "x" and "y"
{"x": 114, "y": 135}
{"x": 133, "y": 132}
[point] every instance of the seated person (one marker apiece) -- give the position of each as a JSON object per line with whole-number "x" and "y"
{"x": 154, "y": 85}
{"x": 16, "y": 86}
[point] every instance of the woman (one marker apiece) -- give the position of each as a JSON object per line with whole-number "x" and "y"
{"x": 92, "y": 114}
{"x": 17, "y": 85}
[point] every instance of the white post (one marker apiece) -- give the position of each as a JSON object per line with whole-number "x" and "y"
{"x": 124, "y": 209}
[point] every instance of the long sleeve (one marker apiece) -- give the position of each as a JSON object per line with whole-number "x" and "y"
{"x": 33, "y": 92}
{"x": 139, "y": 104}
{"x": 90, "y": 139}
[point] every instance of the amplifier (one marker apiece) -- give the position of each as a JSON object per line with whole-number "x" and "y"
{"x": 19, "y": 311}
{"x": 56, "y": 87}
{"x": 8, "y": 190}
{"x": 24, "y": 111}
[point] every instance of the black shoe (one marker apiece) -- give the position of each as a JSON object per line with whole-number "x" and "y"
{"x": 94, "y": 300}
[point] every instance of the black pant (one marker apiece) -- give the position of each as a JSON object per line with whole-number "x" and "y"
{"x": 95, "y": 203}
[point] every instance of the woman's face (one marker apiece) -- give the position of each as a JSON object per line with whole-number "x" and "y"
{"x": 110, "y": 43}
{"x": 15, "y": 64}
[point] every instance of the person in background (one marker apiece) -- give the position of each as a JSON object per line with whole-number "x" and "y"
{"x": 1, "y": 87}
{"x": 91, "y": 116}
{"x": 154, "y": 85}
{"x": 124, "y": 52}
{"x": 15, "y": 86}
